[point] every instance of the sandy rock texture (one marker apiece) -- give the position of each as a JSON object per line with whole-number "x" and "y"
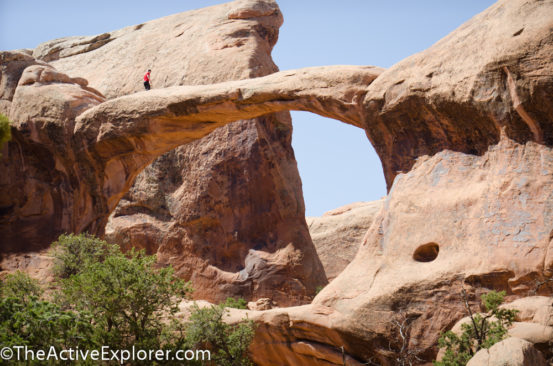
{"x": 493, "y": 73}
{"x": 226, "y": 212}
{"x": 219, "y": 43}
{"x": 463, "y": 130}
{"x": 338, "y": 233}
{"x": 12, "y": 65}
{"x": 454, "y": 221}
{"x": 509, "y": 352}
{"x": 43, "y": 188}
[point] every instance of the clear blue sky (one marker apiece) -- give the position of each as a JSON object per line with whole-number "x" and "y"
{"x": 337, "y": 164}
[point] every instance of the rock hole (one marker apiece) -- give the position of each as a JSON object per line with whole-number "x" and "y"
{"x": 426, "y": 252}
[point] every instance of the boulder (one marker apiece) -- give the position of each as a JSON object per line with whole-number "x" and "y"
{"x": 510, "y": 352}
{"x": 338, "y": 233}
{"x": 534, "y": 309}
{"x": 532, "y": 332}
{"x": 261, "y": 304}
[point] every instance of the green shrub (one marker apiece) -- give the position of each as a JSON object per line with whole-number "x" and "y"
{"x": 231, "y": 302}
{"x": 318, "y": 289}
{"x": 42, "y": 324}
{"x": 127, "y": 297}
{"x": 228, "y": 343}
{"x": 5, "y": 132}
{"x": 481, "y": 332}
{"x": 73, "y": 253}
{"x": 109, "y": 298}
{"x": 27, "y": 320}
{"x": 20, "y": 286}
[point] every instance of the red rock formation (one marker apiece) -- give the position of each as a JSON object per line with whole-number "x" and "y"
{"x": 472, "y": 208}
{"x": 43, "y": 189}
{"x": 493, "y": 73}
{"x": 222, "y": 210}
{"x": 338, "y": 233}
{"x": 234, "y": 223}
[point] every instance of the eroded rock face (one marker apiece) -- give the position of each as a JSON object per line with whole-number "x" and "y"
{"x": 486, "y": 216}
{"x": 43, "y": 192}
{"x": 492, "y": 73}
{"x": 472, "y": 208}
{"x": 226, "y": 212}
{"x": 225, "y": 42}
{"x": 338, "y": 233}
{"x": 475, "y": 213}
{"x": 12, "y": 64}
{"x": 222, "y": 210}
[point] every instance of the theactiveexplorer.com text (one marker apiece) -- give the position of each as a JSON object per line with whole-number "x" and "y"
{"x": 25, "y": 353}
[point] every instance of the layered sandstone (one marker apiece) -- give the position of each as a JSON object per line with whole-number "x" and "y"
{"x": 338, "y": 233}
{"x": 475, "y": 213}
{"x": 224, "y": 211}
{"x": 466, "y": 149}
{"x": 454, "y": 221}
{"x": 231, "y": 216}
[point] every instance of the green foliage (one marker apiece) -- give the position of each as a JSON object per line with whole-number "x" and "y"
{"x": 127, "y": 297}
{"x": 228, "y": 342}
{"x": 5, "y": 132}
{"x": 231, "y": 302}
{"x": 25, "y": 320}
{"x": 483, "y": 331}
{"x": 109, "y": 298}
{"x": 20, "y": 286}
{"x": 318, "y": 289}
{"x": 73, "y": 253}
{"x": 42, "y": 324}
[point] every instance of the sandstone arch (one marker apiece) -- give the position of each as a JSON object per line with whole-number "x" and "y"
{"x": 478, "y": 102}
{"x": 147, "y": 124}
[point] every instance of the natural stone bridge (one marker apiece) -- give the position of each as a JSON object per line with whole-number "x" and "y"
{"x": 468, "y": 121}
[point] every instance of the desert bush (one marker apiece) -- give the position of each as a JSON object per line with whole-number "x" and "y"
{"x": 73, "y": 253}
{"x": 231, "y": 302}
{"x": 5, "y": 132}
{"x": 128, "y": 297}
{"x": 21, "y": 286}
{"x": 228, "y": 343}
{"x": 483, "y": 331}
{"x": 27, "y": 320}
{"x": 105, "y": 297}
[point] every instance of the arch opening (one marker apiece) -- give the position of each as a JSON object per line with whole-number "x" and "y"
{"x": 337, "y": 163}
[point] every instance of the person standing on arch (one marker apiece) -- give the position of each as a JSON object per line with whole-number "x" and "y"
{"x": 147, "y": 80}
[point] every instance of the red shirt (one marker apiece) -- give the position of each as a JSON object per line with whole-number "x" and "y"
{"x": 147, "y": 77}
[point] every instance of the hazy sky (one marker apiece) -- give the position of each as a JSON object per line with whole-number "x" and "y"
{"x": 337, "y": 164}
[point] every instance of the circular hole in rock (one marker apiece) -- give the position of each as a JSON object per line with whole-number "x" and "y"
{"x": 426, "y": 252}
